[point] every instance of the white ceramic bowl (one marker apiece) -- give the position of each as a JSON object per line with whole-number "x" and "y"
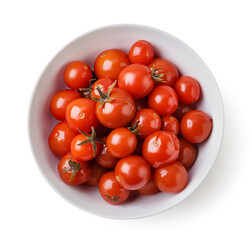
{"x": 86, "y": 48}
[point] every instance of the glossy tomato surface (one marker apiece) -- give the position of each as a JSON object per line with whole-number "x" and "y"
{"x": 171, "y": 124}
{"x": 103, "y": 84}
{"x": 149, "y": 188}
{"x": 97, "y": 172}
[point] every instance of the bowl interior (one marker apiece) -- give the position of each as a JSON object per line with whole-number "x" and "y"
{"x": 86, "y": 48}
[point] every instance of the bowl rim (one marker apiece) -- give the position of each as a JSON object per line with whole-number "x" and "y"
{"x": 154, "y": 29}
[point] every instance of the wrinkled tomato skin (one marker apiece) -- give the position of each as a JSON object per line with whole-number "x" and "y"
{"x": 182, "y": 109}
{"x": 60, "y": 139}
{"x": 149, "y": 188}
{"x": 160, "y": 148}
{"x": 111, "y": 191}
{"x": 171, "y": 124}
{"x": 196, "y": 126}
{"x": 171, "y": 178}
{"x": 97, "y": 172}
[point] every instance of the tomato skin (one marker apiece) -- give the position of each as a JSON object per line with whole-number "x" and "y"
{"x": 168, "y": 68}
{"x": 171, "y": 178}
{"x": 170, "y": 123}
{"x": 163, "y": 99}
{"x": 160, "y": 148}
{"x": 60, "y": 139}
{"x": 196, "y": 126}
{"x": 60, "y": 101}
{"x": 182, "y": 109}
{"x": 80, "y": 113}
{"x": 77, "y": 75}
{"x": 187, "y": 153}
{"x": 117, "y": 113}
{"x": 187, "y": 89}
{"x": 141, "y": 103}
{"x": 81, "y": 176}
{"x": 104, "y": 158}
{"x": 110, "y": 63}
{"x": 132, "y": 172}
{"x": 104, "y": 84}
{"x": 137, "y": 80}
{"x": 97, "y": 172}
{"x": 141, "y": 52}
{"x": 149, "y": 122}
{"x": 111, "y": 191}
{"x": 121, "y": 142}
{"x": 149, "y": 188}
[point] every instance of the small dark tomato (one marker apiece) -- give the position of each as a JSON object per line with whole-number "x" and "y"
{"x": 141, "y": 103}
{"x": 150, "y": 187}
{"x": 170, "y": 123}
{"x": 182, "y": 109}
{"x": 97, "y": 172}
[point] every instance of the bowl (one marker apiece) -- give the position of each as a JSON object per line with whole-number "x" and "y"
{"x": 86, "y": 48}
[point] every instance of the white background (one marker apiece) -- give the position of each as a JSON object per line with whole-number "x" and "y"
{"x": 32, "y": 32}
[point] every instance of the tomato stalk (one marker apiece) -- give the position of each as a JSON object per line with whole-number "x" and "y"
{"x": 85, "y": 92}
{"x": 74, "y": 167}
{"x": 157, "y": 77}
{"x": 113, "y": 199}
{"x": 134, "y": 129}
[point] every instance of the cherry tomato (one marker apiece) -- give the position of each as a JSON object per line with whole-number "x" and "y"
{"x": 60, "y": 102}
{"x": 148, "y": 122}
{"x": 110, "y": 63}
{"x": 196, "y": 126}
{"x": 72, "y": 171}
{"x": 170, "y": 123}
{"x": 118, "y": 112}
{"x": 97, "y": 172}
{"x": 141, "y": 52}
{"x": 171, "y": 178}
{"x": 137, "y": 80}
{"x": 182, "y": 110}
{"x": 102, "y": 131}
{"x": 187, "y": 89}
{"x": 60, "y": 139}
{"x": 104, "y": 84}
{"x": 187, "y": 153}
{"x": 165, "y": 67}
{"x": 77, "y": 75}
{"x": 141, "y": 103}
{"x": 150, "y": 187}
{"x": 121, "y": 142}
{"x": 80, "y": 114}
{"x": 111, "y": 191}
{"x": 104, "y": 158}
{"x": 132, "y": 172}
{"x": 163, "y": 99}
{"x": 160, "y": 148}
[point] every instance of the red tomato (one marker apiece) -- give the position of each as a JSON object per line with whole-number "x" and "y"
{"x": 132, "y": 172}
{"x": 77, "y": 75}
{"x": 102, "y": 131}
{"x": 60, "y": 102}
{"x": 167, "y": 69}
{"x": 182, "y": 110}
{"x": 187, "y": 89}
{"x": 170, "y": 123}
{"x": 111, "y": 191}
{"x": 163, "y": 99}
{"x": 187, "y": 153}
{"x": 80, "y": 114}
{"x": 141, "y": 52}
{"x": 72, "y": 171}
{"x": 97, "y": 172}
{"x": 148, "y": 122}
{"x": 141, "y": 103}
{"x": 60, "y": 139}
{"x": 121, "y": 142}
{"x": 104, "y": 158}
{"x": 110, "y": 63}
{"x": 171, "y": 178}
{"x": 149, "y": 188}
{"x": 160, "y": 148}
{"x": 118, "y": 112}
{"x": 104, "y": 84}
{"x": 196, "y": 126}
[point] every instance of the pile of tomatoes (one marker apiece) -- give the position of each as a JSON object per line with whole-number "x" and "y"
{"x": 129, "y": 125}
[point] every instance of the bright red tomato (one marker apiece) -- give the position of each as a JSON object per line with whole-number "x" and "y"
{"x": 60, "y": 102}
{"x": 110, "y": 63}
{"x": 80, "y": 114}
{"x": 160, "y": 148}
{"x": 121, "y": 142}
{"x": 60, "y": 139}
{"x": 163, "y": 99}
{"x": 187, "y": 89}
{"x": 187, "y": 153}
{"x": 170, "y": 123}
{"x": 196, "y": 126}
{"x": 104, "y": 84}
{"x": 182, "y": 110}
{"x": 141, "y": 103}
{"x": 149, "y": 188}
{"x": 141, "y": 52}
{"x": 77, "y": 75}
{"x": 72, "y": 171}
{"x": 171, "y": 178}
{"x": 148, "y": 122}
{"x": 132, "y": 172}
{"x": 104, "y": 158}
{"x": 111, "y": 191}
{"x": 97, "y": 172}
{"x": 167, "y": 69}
